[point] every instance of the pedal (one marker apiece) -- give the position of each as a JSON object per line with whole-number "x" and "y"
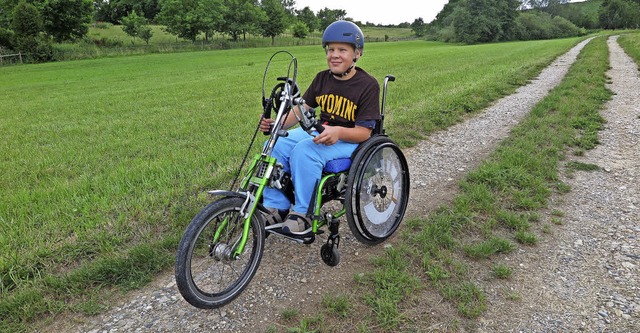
{"x": 304, "y": 239}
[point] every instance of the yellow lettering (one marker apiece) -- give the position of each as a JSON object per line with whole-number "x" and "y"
{"x": 350, "y": 111}
{"x": 338, "y": 106}
{"x": 331, "y": 100}
{"x": 320, "y": 100}
{"x": 339, "y": 109}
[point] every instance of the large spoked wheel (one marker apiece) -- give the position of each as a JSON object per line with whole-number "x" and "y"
{"x": 208, "y": 273}
{"x": 377, "y": 190}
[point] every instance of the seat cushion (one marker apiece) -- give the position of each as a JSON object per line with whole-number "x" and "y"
{"x": 338, "y": 165}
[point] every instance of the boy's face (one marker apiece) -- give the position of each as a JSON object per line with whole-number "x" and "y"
{"x": 340, "y": 56}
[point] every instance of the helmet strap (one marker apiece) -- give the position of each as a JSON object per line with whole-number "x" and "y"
{"x": 345, "y": 73}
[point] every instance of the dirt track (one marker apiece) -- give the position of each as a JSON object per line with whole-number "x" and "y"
{"x": 591, "y": 263}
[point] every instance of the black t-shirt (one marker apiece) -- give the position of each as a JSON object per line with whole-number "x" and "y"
{"x": 345, "y": 102}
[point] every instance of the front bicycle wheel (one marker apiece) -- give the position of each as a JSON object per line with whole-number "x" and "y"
{"x": 209, "y": 273}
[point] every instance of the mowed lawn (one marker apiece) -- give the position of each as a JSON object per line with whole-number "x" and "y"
{"x": 103, "y": 157}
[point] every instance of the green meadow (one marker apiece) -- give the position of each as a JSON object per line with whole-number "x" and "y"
{"x": 105, "y": 161}
{"x": 630, "y": 42}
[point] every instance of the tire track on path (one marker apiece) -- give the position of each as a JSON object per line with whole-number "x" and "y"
{"x": 584, "y": 277}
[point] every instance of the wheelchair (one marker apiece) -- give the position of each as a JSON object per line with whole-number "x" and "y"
{"x": 221, "y": 249}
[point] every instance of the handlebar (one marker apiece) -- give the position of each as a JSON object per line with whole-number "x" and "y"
{"x": 282, "y": 92}
{"x": 319, "y": 128}
{"x": 387, "y": 78}
{"x": 308, "y": 122}
{"x": 283, "y": 98}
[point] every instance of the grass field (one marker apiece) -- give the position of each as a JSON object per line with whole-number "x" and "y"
{"x": 631, "y": 44}
{"x": 105, "y": 161}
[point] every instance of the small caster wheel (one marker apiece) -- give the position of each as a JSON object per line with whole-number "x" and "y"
{"x": 330, "y": 255}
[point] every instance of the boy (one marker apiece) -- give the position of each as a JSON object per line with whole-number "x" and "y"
{"x": 349, "y": 99}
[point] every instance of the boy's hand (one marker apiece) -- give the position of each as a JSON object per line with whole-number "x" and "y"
{"x": 265, "y": 124}
{"x": 329, "y": 136}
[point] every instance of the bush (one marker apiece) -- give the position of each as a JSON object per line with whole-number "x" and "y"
{"x": 26, "y": 20}
{"x": 7, "y": 39}
{"x": 530, "y": 26}
{"x": 300, "y": 30}
{"x": 535, "y": 25}
{"x": 446, "y": 34}
{"x": 37, "y": 49}
{"x": 565, "y": 28}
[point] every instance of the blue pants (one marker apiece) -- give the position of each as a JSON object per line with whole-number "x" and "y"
{"x": 304, "y": 160}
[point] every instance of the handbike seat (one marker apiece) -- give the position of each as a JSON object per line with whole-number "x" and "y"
{"x": 337, "y": 165}
{"x": 343, "y": 164}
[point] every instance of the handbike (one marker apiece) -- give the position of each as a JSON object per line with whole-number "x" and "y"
{"x": 222, "y": 247}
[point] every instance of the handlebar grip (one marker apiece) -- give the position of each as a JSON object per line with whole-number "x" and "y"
{"x": 267, "y": 104}
{"x": 319, "y": 127}
{"x": 270, "y": 129}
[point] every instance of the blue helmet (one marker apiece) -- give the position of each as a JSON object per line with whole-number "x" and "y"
{"x": 344, "y": 32}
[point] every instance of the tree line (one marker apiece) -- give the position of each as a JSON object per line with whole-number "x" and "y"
{"x": 482, "y": 21}
{"x": 32, "y": 26}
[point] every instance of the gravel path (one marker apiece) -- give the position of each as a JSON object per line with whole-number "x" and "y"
{"x": 589, "y": 281}
{"x": 591, "y": 263}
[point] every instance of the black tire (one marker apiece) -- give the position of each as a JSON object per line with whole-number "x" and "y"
{"x": 377, "y": 190}
{"x": 330, "y": 255}
{"x": 207, "y": 274}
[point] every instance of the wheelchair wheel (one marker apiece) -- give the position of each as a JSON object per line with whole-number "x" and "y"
{"x": 208, "y": 275}
{"x": 377, "y": 190}
{"x": 330, "y": 255}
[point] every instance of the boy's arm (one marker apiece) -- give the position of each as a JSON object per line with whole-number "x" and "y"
{"x": 332, "y": 134}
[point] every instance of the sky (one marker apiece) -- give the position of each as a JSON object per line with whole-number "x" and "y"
{"x": 380, "y": 12}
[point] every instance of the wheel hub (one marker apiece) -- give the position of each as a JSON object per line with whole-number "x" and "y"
{"x": 383, "y": 191}
{"x": 221, "y": 252}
